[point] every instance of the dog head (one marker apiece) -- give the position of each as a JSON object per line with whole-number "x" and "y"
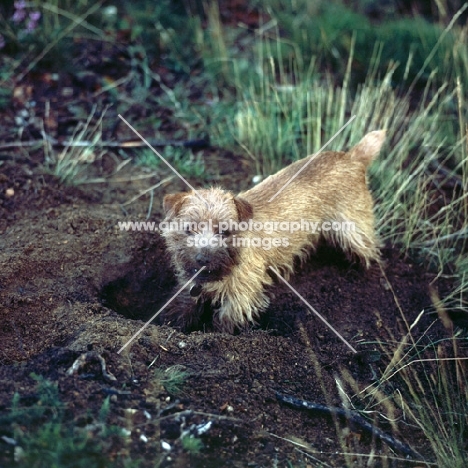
{"x": 199, "y": 228}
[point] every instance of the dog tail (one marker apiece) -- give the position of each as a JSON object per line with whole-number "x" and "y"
{"x": 369, "y": 147}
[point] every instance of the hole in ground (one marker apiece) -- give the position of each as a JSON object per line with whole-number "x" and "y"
{"x": 145, "y": 284}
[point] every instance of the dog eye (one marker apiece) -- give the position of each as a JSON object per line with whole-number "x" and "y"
{"x": 189, "y": 232}
{"x": 225, "y": 233}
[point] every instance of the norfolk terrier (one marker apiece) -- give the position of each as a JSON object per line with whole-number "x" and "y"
{"x": 237, "y": 238}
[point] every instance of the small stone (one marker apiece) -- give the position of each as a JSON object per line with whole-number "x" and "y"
{"x": 165, "y": 446}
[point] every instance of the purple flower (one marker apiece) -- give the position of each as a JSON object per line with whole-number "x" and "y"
{"x": 20, "y": 5}
{"x": 2, "y": 42}
{"x": 21, "y": 16}
{"x": 35, "y": 16}
{"x": 18, "y": 16}
{"x": 20, "y": 12}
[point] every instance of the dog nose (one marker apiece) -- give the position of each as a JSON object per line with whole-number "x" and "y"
{"x": 201, "y": 259}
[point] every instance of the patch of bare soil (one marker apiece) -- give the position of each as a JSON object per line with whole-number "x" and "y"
{"x": 71, "y": 281}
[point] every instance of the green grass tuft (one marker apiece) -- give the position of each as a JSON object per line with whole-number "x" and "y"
{"x": 191, "y": 444}
{"x": 172, "y": 379}
{"x": 184, "y": 161}
{"x": 47, "y": 438}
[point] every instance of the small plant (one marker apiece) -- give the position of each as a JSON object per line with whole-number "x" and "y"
{"x": 46, "y": 437}
{"x": 182, "y": 159}
{"x": 192, "y": 444}
{"x": 79, "y": 153}
{"x": 172, "y": 379}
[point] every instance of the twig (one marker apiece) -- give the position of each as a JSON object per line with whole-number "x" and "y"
{"x": 88, "y": 357}
{"x": 201, "y": 413}
{"x": 136, "y": 197}
{"x": 352, "y": 417}
{"x": 200, "y": 143}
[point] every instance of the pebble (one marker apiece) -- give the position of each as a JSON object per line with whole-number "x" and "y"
{"x": 165, "y": 446}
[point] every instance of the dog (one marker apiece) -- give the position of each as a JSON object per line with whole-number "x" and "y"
{"x": 232, "y": 242}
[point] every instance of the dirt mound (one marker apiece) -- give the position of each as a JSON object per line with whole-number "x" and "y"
{"x": 71, "y": 281}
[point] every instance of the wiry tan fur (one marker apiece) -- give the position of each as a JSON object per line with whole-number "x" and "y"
{"x": 333, "y": 187}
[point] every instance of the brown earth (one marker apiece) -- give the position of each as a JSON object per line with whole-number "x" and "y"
{"x": 71, "y": 281}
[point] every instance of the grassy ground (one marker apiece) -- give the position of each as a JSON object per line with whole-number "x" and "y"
{"x": 276, "y": 92}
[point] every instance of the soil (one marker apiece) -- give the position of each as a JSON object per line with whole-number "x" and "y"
{"x": 71, "y": 282}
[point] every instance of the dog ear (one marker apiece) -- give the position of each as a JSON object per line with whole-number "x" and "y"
{"x": 369, "y": 147}
{"x": 244, "y": 209}
{"x": 173, "y": 202}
